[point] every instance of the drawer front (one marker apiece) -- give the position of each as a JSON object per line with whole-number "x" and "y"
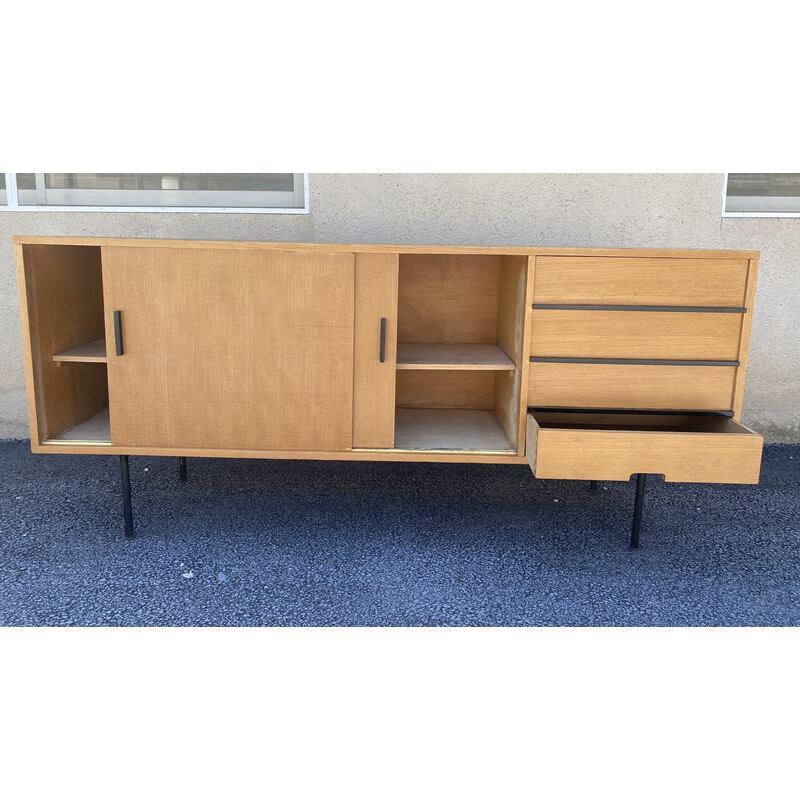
{"x": 634, "y": 386}
{"x": 584, "y": 280}
{"x": 636, "y": 334}
{"x": 726, "y": 453}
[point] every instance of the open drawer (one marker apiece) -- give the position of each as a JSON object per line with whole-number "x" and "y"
{"x": 614, "y": 446}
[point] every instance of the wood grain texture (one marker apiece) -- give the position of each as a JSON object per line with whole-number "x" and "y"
{"x": 449, "y": 429}
{"x": 63, "y": 307}
{"x": 641, "y": 281}
{"x": 453, "y": 356}
{"x": 90, "y": 353}
{"x": 631, "y": 386}
{"x": 511, "y": 314}
{"x": 231, "y": 349}
{"x": 448, "y": 299}
{"x": 27, "y": 349}
{"x": 636, "y": 334}
{"x": 744, "y": 343}
{"x": 385, "y": 248}
{"x": 454, "y": 392}
{"x": 373, "y": 381}
{"x": 446, "y": 389}
{"x": 731, "y": 454}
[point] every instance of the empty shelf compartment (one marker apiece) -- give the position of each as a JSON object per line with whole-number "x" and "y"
{"x": 95, "y": 430}
{"x": 449, "y": 429}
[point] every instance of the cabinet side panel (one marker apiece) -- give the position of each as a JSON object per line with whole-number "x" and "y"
{"x": 511, "y": 339}
{"x": 27, "y": 355}
{"x": 64, "y": 308}
{"x": 373, "y": 379}
{"x": 744, "y": 342}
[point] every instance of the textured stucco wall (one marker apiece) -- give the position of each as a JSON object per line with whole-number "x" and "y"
{"x": 591, "y": 210}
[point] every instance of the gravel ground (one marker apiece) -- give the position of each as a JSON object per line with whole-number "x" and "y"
{"x": 248, "y": 542}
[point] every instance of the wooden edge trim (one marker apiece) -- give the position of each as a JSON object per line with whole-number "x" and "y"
{"x": 388, "y": 248}
{"x": 445, "y": 457}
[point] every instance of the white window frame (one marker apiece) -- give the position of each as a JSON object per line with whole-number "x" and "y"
{"x": 726, "y": 213}
{"x": 14, "y": 204}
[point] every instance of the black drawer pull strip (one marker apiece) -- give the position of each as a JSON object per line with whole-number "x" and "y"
{"x": 695, "y": 309}
{"x": 656, "y": 362}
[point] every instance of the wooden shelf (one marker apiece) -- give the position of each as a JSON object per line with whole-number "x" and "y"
{"x": 453, "y": 356}
{"x": 95, "y": 430}
{"x": 449, "y": 429}
{"x": 94, "y": 352}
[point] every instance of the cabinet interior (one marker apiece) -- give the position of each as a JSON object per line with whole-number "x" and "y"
{"x": 64, "y": 288}
{"x": 459, "y": 351}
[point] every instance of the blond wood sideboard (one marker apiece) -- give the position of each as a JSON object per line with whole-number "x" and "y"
{"x": 587, "y": 364}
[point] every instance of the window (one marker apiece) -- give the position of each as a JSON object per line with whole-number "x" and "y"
{"x": 762, "y": 194}
{"x": 230, "y": 192}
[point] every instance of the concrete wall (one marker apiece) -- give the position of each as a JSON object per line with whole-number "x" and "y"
{"x": 591, "y": 210}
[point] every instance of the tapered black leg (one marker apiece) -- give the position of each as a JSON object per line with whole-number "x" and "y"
{"x": 127, "y": 510}
{"x": 592, "y": 486}
{"x": 637, "y": 510}
{"x": 182, "y": 468}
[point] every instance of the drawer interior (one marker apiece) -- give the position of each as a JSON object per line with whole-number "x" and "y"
{"x": 676, "y": 423}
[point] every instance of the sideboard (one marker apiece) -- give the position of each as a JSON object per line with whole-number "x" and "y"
{"x": 586, "y": 364}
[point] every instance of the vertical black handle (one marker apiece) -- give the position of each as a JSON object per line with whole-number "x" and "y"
{"x": 118, "y": 331}
{"x": 383, "y": 339}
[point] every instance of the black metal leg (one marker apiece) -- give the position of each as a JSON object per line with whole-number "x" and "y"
{"x": 182, "y": 468}
{"x": 637, "y": 510}
{"x": 592, "y": 486}
{"x": 126, "y": 496}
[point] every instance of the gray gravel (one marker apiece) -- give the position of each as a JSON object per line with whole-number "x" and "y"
{"x": 248, "y": 542}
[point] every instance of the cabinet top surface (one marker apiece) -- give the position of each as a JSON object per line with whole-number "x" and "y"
{"x": 386, "y": 248}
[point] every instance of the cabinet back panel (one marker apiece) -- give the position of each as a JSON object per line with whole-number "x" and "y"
{"x": 448, "y": 299}
{"x": 454, "y": 389}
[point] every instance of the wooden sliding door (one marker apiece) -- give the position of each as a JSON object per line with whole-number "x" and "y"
{"x": 375, "y": 350}
{"x": 230, "y": 348}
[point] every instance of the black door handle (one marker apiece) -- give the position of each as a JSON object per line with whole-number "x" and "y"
{"x": 118, "y": 331}
{"x": 383, "y": 339}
